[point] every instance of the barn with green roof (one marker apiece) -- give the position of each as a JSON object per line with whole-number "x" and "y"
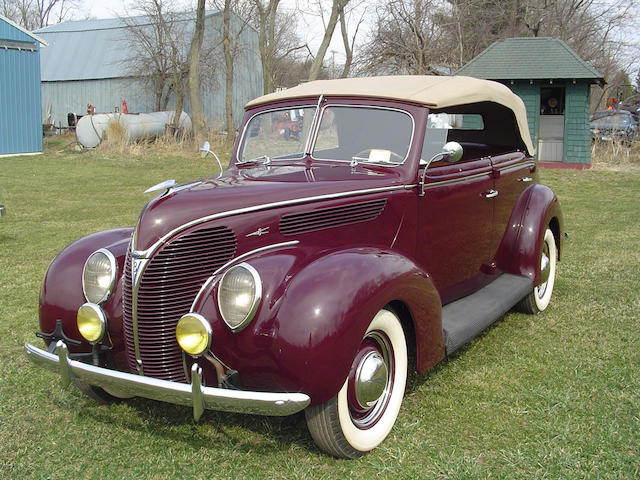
{"x": 555, "y": 85}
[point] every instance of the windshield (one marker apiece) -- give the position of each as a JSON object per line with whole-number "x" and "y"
{"x": 363, "y": 134}
{"x": 279, "y": 134}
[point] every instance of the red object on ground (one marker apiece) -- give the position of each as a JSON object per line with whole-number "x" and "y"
{"x": 124, "y": 107}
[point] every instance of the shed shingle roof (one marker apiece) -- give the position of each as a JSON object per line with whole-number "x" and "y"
{"x": 529, "y": 58}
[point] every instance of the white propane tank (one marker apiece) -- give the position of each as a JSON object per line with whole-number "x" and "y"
{"x": 90, "y": 130}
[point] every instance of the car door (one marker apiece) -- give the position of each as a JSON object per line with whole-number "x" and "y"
{"x": 512, "y": 172}
{"x": 454, "y": 232}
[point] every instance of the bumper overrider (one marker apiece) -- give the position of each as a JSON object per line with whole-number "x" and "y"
{"x": 195, "y": 394}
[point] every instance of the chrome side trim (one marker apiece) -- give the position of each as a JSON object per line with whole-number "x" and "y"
{"x": 230, "y": 213}
{"x": 239, "y": 258}
{"x": 194, "y": 395}
{"x": 456, "y": 180}
{"x": 517, "y": 166}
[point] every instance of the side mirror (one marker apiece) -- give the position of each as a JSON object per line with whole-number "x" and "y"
{"x": 206, "y": 150}
{"x": 451, "y": 152}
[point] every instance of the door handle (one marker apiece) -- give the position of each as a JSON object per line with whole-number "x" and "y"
{"x": 525, "y": 179}
{"x": 491, "y": 194}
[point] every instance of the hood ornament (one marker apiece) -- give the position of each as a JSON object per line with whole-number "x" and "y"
{"x": 258, "y": 233}
{"x": 137, "y": 265}
{"x": 166, "y": 185}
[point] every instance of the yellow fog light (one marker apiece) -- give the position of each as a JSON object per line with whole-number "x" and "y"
{"x": 92, "y": 322}
{"x": 194, "y": 334}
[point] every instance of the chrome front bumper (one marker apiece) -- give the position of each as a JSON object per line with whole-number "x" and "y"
{"x": 195, "y": 394}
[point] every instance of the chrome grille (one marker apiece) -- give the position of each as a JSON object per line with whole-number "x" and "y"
{"x": 331, "y": 217}
{"x": 167, "y": 288}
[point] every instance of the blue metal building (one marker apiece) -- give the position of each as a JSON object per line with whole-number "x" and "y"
{"x": 20, "y": 111}
{"x": 89, "y": 62}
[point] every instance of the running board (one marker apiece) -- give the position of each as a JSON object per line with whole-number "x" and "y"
{"x": 464, "y": 319}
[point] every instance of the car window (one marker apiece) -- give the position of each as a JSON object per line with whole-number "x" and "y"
{"x": 277, "y": 134}
{"x": 363, "y": 134}
{"x": 439, "y": 125}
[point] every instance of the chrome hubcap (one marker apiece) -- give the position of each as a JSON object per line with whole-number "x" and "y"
{"x": 371, "y": 379}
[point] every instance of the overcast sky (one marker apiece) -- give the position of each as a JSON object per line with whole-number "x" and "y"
{"x": 310, "y": 26}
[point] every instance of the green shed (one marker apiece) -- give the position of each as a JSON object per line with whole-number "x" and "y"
{"x": 555, "y": 86}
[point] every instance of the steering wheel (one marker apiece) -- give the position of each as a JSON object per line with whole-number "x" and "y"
{"x": 358, "y": 156}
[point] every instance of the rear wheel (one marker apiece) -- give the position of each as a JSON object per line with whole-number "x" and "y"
{"x": 539, "y": 298}
{"x": 362, "y": 414}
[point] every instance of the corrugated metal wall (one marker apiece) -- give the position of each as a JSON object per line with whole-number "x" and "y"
{"x": 63, "y": 97}
{"x": 20, "y": 114}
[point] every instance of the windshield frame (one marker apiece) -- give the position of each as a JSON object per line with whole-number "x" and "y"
{"x": 316, "y": 131}
{"x": 320, "y": 104}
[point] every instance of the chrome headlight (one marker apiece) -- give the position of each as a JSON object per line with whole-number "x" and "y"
{"x": 99, "y": 276}
{"x": 92, "y": 322}
{"x": 239, "y": 295}
{"x": 193, "y": 333}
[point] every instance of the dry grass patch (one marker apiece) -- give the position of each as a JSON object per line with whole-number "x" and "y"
{"x": 616, "y": 156}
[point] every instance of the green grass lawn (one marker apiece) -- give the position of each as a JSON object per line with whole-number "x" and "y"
{"x": 552, "y": 396}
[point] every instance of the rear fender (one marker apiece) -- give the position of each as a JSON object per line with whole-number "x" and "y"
{"x": 62, "y": 294}
{"x": 519, "y": 251}
{"x": 314, "y": 314}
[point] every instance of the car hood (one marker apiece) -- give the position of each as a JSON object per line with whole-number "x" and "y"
{"x": 248, "y": 189}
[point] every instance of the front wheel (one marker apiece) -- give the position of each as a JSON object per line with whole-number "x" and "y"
{"x": 539, "y": 298}
{"x": 361, "y": 416}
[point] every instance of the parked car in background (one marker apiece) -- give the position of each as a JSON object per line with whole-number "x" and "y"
{"x": 613, "y": 125}
{"x": 403, "y": 218}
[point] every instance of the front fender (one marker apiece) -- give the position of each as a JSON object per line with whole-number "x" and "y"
{"x": 314, "y": 314}
{"x": 62, "y": 294}
{"x": 519, "y": 251}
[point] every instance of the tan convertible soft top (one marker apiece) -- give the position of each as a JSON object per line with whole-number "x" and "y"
{"x": 430, "y": 91}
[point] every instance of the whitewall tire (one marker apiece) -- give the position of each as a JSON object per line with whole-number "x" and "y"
{"x": 538, "y": 300}
{"x": 363, "y": 413}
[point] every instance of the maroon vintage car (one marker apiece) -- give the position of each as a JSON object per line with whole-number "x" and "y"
{"x": 404, "y": 219}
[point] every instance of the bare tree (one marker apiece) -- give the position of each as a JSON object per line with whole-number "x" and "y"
{"x": 406, "y": 39}
{"x": 34, "y": 14}
{"x": 156, "y": 42}
{"x": 164, "y": 58}
{"x": 235, "y": 15}
{"x": 316, "y": 65}
{"x": 179, "y": 64}
{"x": 349, "y": 43}
{"x": 197, "y": 117}
{"x": 277, "y": 39}
{"x": 417, "y": 36}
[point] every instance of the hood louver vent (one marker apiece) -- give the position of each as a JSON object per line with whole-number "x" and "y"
{"x": 331, "y": 217}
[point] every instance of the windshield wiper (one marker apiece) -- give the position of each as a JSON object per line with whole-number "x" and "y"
{"x": 264, "y": 159}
